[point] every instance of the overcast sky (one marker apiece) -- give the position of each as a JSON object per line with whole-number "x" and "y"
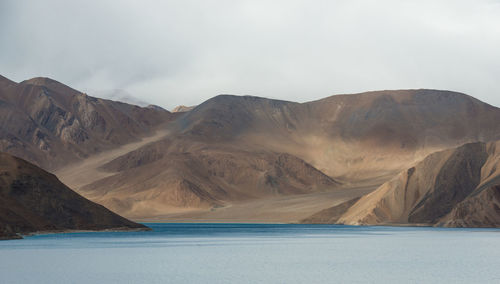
{"x": 184, "y": 52}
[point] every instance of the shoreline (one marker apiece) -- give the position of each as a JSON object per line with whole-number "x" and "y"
{"x": 20, "y": 236}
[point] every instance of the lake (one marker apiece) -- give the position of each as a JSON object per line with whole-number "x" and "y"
{"x": 256, "y": 253}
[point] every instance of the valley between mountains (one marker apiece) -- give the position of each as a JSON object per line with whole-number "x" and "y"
{"x": 403, "y": 157}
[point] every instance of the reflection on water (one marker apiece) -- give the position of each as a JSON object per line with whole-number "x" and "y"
{"x": 255, "y": 253}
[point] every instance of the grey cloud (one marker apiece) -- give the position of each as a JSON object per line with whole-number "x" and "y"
{"x": 183, "y": 52}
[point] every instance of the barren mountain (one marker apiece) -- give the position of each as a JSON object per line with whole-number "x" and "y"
{"x": 239, "y": 151}
{"x": 32, "y": 200}
{"x": 201, "y": 178}
{"x": 230, "y": 149}
{"x": 455, "y": 188}
{"x": 51, "y": 125}
{"x": 353, "y": 137}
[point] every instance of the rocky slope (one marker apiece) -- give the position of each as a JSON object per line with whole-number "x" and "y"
{"x": 33, "y": 200}
{"x": 51, "y": 125}
{"x": 453, "y": 188}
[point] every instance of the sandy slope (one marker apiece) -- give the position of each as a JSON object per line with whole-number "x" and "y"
{"x": 82, "y": 173}
{"x": 280, "y": 209}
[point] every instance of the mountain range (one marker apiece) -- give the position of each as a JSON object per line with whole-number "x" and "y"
{"x": 386, "y": 157}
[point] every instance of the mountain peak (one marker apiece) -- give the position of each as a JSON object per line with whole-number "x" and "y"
{"x": 6, "y": 81}
{"x": 40, "y": 81}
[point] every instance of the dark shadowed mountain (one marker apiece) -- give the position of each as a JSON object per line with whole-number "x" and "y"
{"x": 33, "y": 200}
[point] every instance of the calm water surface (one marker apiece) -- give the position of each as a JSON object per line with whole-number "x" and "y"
{"x": 256, "y": 253}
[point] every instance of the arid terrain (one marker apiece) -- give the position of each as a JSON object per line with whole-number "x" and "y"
{"x": 251, "y": 159}
{"x": 452, "y": 188}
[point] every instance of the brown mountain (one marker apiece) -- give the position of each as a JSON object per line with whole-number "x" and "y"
{"x": 352, "y": 137}
{"x": 51, "y": 124}
{"x": 231, "y": 150}
{"x": 203, "y": 178}
{"x": 32, "y": 200}
{"x": 232, "y": 153}
{"x": 454, "y": 188}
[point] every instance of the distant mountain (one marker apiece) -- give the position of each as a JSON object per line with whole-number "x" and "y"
{"x": 33, "y": 200}
{"x": 352, "y": 137}
{"x": 51, "y": 124}
{"x": 156, "y": 179}
{"x": 148, "y": 163}
{"x": 231, "y": 148}
{"x": 453, "y": 188}
{"x": 183, "y": 108}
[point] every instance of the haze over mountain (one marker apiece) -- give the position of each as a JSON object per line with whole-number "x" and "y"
{"x": 33, "y": 200}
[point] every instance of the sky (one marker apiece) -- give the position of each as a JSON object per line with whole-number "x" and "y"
{"x": 173, "y": 53}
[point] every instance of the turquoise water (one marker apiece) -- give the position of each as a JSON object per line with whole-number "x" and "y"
{"x": 256, "y": 253}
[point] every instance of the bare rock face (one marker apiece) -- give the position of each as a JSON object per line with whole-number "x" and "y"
{"x": 452, "y": 188}
{"x": 50, "y": 124}
{"x": 32, "y": 200}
